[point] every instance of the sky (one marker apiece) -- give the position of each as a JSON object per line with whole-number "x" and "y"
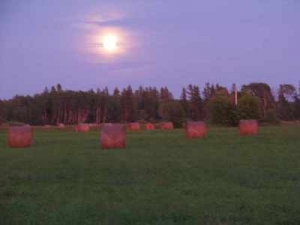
{"x": 160, "y": 43}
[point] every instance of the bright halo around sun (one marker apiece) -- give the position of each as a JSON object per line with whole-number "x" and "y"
{"x": 107, "y": 44}
{"x": 110, "y": 43}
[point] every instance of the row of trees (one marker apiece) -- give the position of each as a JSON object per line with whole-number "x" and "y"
{"x": 214, "y": 103}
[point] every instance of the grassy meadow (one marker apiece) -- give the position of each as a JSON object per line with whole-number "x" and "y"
{"x": 160, "y": 178}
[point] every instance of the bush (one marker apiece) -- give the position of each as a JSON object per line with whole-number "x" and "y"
{"x": 222, "y": 112}
{"x": 172, "y": 111}
{"x": 271, "y": 117}
{"x": 248, "y": 108}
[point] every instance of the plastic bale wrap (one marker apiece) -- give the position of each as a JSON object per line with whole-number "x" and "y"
{"x": 149, "y": 126}
{"x": 248, "y": 127}
{"x": 19, "y": 136}
{"x": 82, "y": 128}
{"x": 94, "y": 125}
{"x": 134, "y": 127}
{"x": 113, "y": 136}
{"x": 196, "y": 129}
{"x": 60, "y": 125}
{"x": 167, "y": 126}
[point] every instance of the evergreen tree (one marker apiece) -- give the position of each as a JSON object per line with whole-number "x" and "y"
{"x": 196, "y": 104}
{"x": 184, "y": 102}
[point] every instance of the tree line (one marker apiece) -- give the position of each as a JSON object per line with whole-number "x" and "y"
{"x": 214, "y": 103}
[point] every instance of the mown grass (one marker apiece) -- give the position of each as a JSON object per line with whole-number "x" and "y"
{"x": 161, "y": 178}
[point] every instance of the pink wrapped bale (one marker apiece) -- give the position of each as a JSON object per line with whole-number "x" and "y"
{"x": 134, "y": 127}
{"x": 248, "y": 127}
{"x": 149, "y": 126}
{"x": 82, "y": 128}
{"x": 196, "y": 129}
{"x": 113, "y": 136}
{"x": 166, "y": 126}
{"x": 19, "y": 136}
{"x": 60, "y": 125}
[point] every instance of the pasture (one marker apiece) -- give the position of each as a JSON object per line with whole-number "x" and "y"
{"x": 160, "y": 178}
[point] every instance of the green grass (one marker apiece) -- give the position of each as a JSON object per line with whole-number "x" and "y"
{"x": 161, "y": 178}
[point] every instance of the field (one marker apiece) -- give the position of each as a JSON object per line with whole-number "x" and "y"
{"x": 161, "y": 178}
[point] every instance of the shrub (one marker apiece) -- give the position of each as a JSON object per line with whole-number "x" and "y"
{"x": 248, "y": 108}
{"x": 271, "y": 117}
{"x": 172, "y": 111}
{"x": 221, "y": 111}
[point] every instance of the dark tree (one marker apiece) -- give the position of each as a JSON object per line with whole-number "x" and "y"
{"x": 196, "y": 104}
{"x": 185, "y": 103}
{"x": 263, "y": 92}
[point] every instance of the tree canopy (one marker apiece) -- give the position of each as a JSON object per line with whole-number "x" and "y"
{"x": 213, "y": 103}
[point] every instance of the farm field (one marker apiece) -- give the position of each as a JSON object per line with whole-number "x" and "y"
{"x": 161, "y": 178}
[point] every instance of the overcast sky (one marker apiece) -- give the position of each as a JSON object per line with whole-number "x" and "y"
{"x": 160, "y": 42}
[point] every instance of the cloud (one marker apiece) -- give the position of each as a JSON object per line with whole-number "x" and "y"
{"x": 93, "y": 21}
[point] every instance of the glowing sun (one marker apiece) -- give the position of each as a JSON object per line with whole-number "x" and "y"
{"x": 110, "y": 43}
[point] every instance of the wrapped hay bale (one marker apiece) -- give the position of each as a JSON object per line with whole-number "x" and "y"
{"x": 60, "y": 125}
{"x": 195, "y": 129}
{"x": 248, "y": 127}
{"x": 166, "y": 126}
{"x": 113, "y": 136}
{"x": 82, "y": 127}
{"x": 134, "y": 127}
{"x": 105, "y": 124}
{"x": 19, "y": 136}
{"x": 149, "y": 126}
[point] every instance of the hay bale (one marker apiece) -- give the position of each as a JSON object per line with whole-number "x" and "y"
{"x": 106, "y": 124}
{"x": 134, "y": 127}
{"x": 113, "y": 136}
{"x": 94, "y": 125}
{"x": 19, "y": 136}
{"x": 60, "y": 125}
{"x": 195, "y": 129}
{"x": 149, "y": 126}
{"x": 248, "y": 127}
{"x": 166, "y": 126}
{"x": 83, "y": 127}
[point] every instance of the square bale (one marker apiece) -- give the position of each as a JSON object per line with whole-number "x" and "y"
{"x": 19, "y": 136}
{"x": 134, "y": 127}
{"x": 196, "y": 129}
{"x": 149, "y": 126}
{"x": 166, "y": 126}
{"x": 248, "y": 127}
{"x": 83, "y": 127}
{"x": 113, "y": 136}
{"x": 60, "y": 125}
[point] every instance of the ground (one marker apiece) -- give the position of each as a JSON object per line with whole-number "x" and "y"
{"x": 161, "y": 178}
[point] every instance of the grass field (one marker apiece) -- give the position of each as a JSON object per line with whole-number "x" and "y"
{"x": 161, "y": 178}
